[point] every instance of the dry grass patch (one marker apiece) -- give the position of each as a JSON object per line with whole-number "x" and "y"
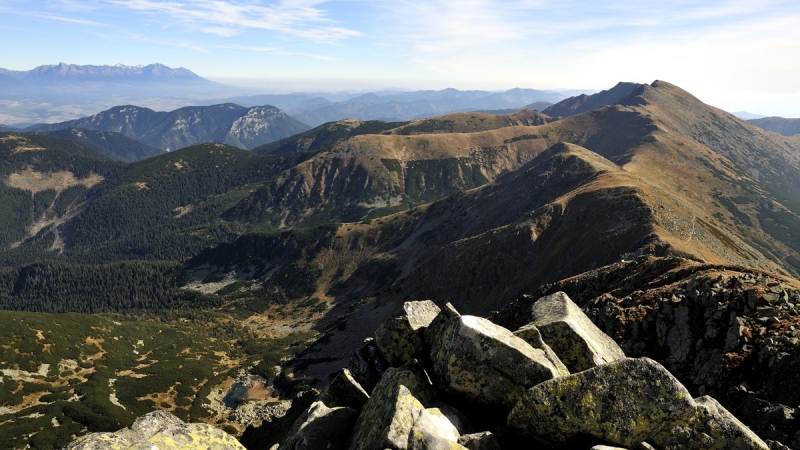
{"x": 22, "y": 144}
{"x": 35, "y": 182}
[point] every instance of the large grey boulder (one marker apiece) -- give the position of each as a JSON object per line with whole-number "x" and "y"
{"x": 392, "y": 410}
{"x": 530, "y": 334}
{"x": 344, "y": 390}
{"x": 483, "y": 362}
{"x": 622, "y": 403}
{"x": 707, "y": 425}
{"x": 321, "y": 427}
{"x": 159, "y": 430}
{"x": 571, "y": 334}
{"x": 400, "y": 337}
{"x": 433, "y": 430}
{"x": 447, "y": 314}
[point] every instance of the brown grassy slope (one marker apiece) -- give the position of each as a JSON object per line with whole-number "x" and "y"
{"x": 661, "y": 174}
{"x": 471, "y": 122}
{"x": 566, "y": 212}
{"x": 742, "y": 180}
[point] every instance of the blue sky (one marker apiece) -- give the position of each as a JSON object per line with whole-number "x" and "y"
{"x": 738, "y": 55}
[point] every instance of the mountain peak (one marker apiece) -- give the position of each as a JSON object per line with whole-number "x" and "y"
{"x": 583, "y": 103}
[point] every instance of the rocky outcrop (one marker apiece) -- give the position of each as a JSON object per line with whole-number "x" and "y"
{"x": 159, "y": 430}
{"x": 393, "y": 409}
{"x": 728, "y": 332}
{"x": 399, "y": 338}
{"x": 320, "y": 427}
{"x": 483, "y": 387}
{"x": 486, "y": 363}
{"x": 573, "y": 336}
{"x": 625, "y": 402}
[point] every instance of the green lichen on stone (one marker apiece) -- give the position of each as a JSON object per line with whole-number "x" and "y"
{"x": 400, "y": 337}
{"x": 389, "y": 415}
{"x": 623, "y": 403}
{"x": 486, "y": 363}
{"x": 708, "y": 426}
{"x": 162, "y": 431}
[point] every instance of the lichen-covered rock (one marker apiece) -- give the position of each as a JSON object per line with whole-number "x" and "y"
{"x": 99, "y": 441}
{"x": 621, "y": 403}
{"x": 344, "y": 390}
{"x": 708, "y": 426}
{"x": 433, "y": 431}
{"x": 392, "y": 410}
{"x": 483, "y": 362}
{"x": 571, "y": 334}
{"x": 447, "y": 313}
{"x": 367, "y": 365}
{"x": 321, "y": 427}
{"x": 530, "y": 334}
{"x": 160, "y": 430}
{"x": 400, "y": 337}
{"x": 480, "y": 441}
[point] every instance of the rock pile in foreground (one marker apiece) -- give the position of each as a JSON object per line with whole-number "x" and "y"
{"x": 433, "y": 379}
{"x": 162, "y": 431}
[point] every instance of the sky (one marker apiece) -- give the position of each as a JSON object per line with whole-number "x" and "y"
{"x": 737, "y": 55}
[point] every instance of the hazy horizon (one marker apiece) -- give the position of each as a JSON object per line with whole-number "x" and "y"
{"x": 732, "y": 54}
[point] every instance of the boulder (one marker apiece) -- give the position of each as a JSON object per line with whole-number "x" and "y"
{"x": 707, "y": 425}
{"x": 530, "y": 334}
{"x": 433, "y": 431}
{"x": 485, "y": 363}
{"x": 321, "y": 427}
{"x": 621, "y": 403}
{"x": 447, "y": 313}
{"x": 159, "y": 430}
{"x": 392, "y": 410}
{"x": 367, "y": 365}
{"x": 400, "y": 337}
{"x": 480, "y": 441}
{"x": 344, "y": 390}
{"x": 571, "y": 334}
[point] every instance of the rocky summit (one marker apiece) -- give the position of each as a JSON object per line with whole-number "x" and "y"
{"x": 463, "y": 382}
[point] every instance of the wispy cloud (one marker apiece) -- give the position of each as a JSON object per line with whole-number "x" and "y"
{"x": 277, "y": 51}
{"x": 489, "y": 37}
{"x": 6, "y": 9}
{"x": 187, "y": 45}
{"x": 295, "y": 18}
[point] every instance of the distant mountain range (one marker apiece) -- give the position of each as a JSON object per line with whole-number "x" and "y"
{"x": 71, "y": 74}
{"x": 54, "y": 93}
{"x": 226, "y": 123}
{"x": 61, "y": 92}
{"x": 316, "y": 109}
{"x": 786, "y": 127}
